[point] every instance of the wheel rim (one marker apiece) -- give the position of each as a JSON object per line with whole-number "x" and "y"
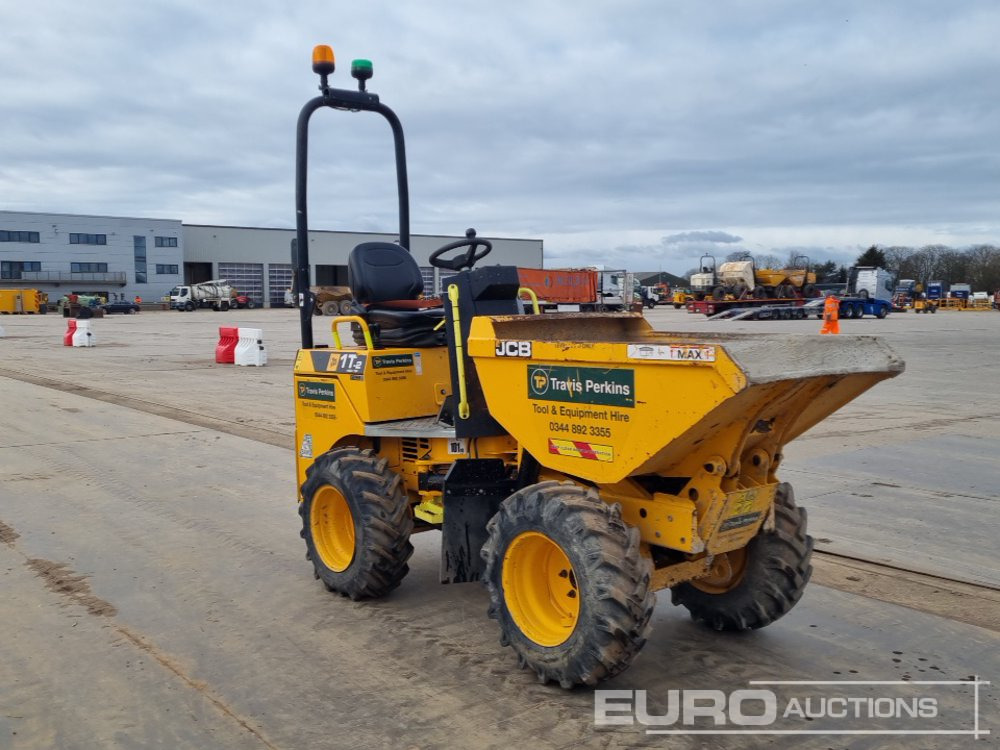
{"x": 332, "y": 528}
{"x": 726, "y": 573}
{"x": 540, "y": 589}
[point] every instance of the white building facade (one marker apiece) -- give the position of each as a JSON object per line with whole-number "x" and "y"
{"x": 114, "y": 257}
{"x": 128, "y": 257}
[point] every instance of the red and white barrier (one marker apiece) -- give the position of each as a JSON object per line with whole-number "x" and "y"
{"x": 250, "y": 351}
{"x": 225, "y": 350}
{"x": 83, "y": 335}
{"x": 70, "y": 330}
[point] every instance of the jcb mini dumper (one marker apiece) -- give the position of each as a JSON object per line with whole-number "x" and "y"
{"x": 574, "y": 463}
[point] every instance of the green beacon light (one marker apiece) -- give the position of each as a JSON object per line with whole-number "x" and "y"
{"x": 362, "y": 70}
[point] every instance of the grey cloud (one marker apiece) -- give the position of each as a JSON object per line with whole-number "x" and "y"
{"x": 701, "y": 236}
{"x": 545, "y": 122}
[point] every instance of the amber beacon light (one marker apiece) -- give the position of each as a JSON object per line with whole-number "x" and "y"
{"x": 323, "y": 60}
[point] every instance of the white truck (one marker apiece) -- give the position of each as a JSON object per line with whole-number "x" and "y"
{"x": 869, "y": 282}
{"x": 215, "y": 294}
{"x": 616, "y": 290}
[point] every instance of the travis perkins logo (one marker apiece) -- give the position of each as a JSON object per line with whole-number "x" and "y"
{"x": 583, "y": 385}
{"x": 317, "y": 391}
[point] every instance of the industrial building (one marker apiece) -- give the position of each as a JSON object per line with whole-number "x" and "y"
{"x": 123, "y": 257}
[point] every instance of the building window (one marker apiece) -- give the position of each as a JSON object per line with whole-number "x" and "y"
{"x": 167, "y": 269}
{"x": 88, "y": 267}
{"x": 12, "y": 269}
{"x": 139, "y": 252}
{"x": 165, "y": 242}
{"x": 87, "y": 239}
{"x": 10, "y": 236}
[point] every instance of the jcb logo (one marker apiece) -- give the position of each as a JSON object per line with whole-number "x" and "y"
{"x": 513, "y": 349}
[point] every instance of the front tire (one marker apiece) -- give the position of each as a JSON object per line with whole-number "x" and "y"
{"x": 753, "y": 587}
{"x": 356, "y": 523}
{"x": 567, "y": 583}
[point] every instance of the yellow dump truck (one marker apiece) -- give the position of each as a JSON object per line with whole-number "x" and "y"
{"x": 575, "y": 463}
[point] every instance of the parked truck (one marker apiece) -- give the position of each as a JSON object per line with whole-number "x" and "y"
{"x": 936, "y": 290}
{"x": 217, "y": 295}
{"x": 870, "y": 282}
{"x": 331, "y": 300}
{"x": 960, "y": 291}
{"x": 23, "y": 301}
{"x": 580, "y": 289}
{"x": 905, "y": 292}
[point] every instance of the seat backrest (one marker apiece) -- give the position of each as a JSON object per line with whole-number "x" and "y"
{"x": 383, "y": 272}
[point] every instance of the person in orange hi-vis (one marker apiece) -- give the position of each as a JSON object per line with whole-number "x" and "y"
{"x": 831, "y": 314}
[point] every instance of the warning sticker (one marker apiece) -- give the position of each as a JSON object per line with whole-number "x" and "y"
{"x": 579, "y": 449}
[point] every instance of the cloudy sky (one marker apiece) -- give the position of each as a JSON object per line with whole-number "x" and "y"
{"x": 637, "y": 133}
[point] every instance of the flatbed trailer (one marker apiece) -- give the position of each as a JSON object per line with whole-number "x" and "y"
{"x": 715, "y": 306}
{"x": 788, "y": 309}
{"x": 859, "y": 307}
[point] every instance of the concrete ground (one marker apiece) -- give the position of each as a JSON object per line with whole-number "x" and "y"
{"x": 156, "y": 595}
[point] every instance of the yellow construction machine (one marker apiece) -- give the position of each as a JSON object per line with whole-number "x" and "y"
{"x": 575, "y": 463}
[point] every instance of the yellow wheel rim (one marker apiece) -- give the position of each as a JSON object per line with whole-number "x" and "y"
{"x": 332, "y": 527}
{"x": 726, "y": 573}
{"x": 540, "y": 589}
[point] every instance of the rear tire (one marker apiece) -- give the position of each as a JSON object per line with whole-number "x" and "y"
{"x": 329, "y": 308}
{"x": 356, "y": 523}
{"x": 345, "y": 307}
{"x": 776, "y": 571}
{"x": 567, "y": 583}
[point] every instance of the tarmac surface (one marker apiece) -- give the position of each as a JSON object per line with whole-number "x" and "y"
{"x": 155, "y": 592}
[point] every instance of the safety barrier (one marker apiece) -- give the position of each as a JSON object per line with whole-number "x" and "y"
{"x": 250, "y": 350}
{"x": 84, "y": 336}
{"x": 70, "y": 330}
{"x": 225, "y": 350}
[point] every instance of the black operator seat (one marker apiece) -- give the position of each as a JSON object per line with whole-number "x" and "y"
{"x": 386, "y": 284}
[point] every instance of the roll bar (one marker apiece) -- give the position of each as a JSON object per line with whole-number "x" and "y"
{"x": 349, "y": 101}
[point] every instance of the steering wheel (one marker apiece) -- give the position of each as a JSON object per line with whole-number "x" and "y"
{"x": 463, "y": 260}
